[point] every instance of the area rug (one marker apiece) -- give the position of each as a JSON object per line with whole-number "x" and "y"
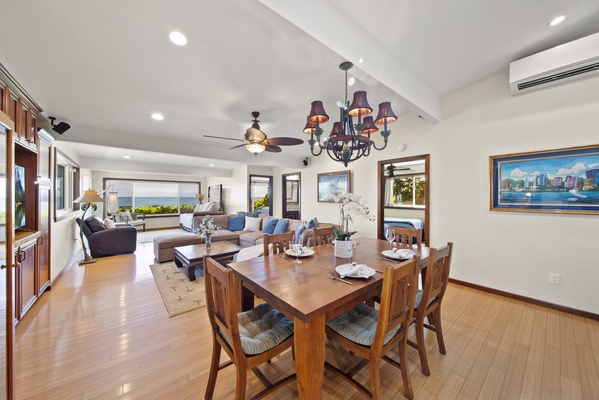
{"x": 179, "y": 294}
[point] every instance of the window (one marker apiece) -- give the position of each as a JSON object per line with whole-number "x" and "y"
{"x": 154, "y": 197}
{"x": 405, "y": 191}
{"x": 66, "y": 184}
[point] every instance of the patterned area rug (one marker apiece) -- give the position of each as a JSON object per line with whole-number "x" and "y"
{"x": 179, "y": 294}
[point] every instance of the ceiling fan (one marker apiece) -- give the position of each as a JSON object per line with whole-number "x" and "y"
{"x": 392, "y": 168}
{"x": 256, "y": 141}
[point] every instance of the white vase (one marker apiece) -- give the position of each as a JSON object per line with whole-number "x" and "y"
{"x": 341, "y": 248}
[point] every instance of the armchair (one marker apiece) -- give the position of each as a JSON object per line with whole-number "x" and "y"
{"x": 130, "y": 218}
{"x": 108, "y": 242}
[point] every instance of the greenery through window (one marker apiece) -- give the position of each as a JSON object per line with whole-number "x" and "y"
{"x": 154, "y": 197}
{"x": 406, "y": 191}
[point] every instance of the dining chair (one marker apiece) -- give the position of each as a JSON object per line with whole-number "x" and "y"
{"x": 407, "y": 236}
{"x": 371, "y": 333}
{"x": 280, "y": 242}
{"x": 249, "y": 338}
{"x": 323, "y": 235}
{"x": 428, "y": 302}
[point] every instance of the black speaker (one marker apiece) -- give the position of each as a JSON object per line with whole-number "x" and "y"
{"x": 59, "y": 128}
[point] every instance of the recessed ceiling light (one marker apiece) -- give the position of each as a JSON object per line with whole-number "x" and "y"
{"x": 351, "y": 81}
{"x": 158, "y": 116}
{"x": 178, "y": 38}
{"x": 212, "y": 165}
{"x": 127, "y": 157}
{"x": 557, "y": 20}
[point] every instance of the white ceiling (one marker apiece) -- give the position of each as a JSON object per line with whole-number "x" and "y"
{"x": 104, "y": 67}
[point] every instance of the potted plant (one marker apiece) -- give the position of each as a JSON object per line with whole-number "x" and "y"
{"x": 207, "y": 228}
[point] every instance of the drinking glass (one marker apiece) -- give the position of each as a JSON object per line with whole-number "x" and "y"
{"x": 390, "y": 237}
{"x": 297, "y": 248}
{"x": 350, "y": 246}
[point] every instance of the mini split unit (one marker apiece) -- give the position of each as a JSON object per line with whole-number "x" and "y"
{"x": 570, "y": 61}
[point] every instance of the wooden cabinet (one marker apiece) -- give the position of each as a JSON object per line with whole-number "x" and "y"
{"x": 26, "y": 256}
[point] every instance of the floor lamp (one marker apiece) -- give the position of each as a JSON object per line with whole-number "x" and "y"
{"x": 88, "y": 199}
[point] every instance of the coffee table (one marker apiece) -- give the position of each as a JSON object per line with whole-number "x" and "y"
{"x": 191, "y": 256}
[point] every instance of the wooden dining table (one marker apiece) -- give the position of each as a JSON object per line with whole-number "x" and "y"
{"x": 305, "y": 294}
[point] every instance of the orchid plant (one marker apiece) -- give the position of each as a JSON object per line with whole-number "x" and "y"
{"x": 350, "y": 206}
{"x": 207, "y": 227}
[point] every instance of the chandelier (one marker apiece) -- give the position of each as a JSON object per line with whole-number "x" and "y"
{"x": 348, "y": 142}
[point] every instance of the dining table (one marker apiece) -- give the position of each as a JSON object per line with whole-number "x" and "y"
{"x": 307, "y": 295}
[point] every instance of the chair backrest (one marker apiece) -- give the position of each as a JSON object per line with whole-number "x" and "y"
{"x": 437, "y": 276}
{"x": 280, "y": 242}
{"x": 222, "y": 301}
{"x": 400, "y": 283}
{"x": 323, "y": 235}
{"x": 407, "y": 237}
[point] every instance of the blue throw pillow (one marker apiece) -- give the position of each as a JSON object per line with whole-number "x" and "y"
{"x": 269, "y": 226}
{"x": 299, "y": 232}
{"x": 282, "y": 226}
{"x": 236, "y": 223}
{"x": 253, "y": 214}
{"x": 313, "y": 223}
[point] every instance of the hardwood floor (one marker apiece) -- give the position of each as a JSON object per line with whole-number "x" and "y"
{"x": 103, "y": 332}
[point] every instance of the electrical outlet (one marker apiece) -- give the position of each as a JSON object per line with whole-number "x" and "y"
{"x": 554, "y": 279}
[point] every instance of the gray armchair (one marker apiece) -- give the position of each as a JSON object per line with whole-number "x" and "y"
{"x": 108, "y": 242}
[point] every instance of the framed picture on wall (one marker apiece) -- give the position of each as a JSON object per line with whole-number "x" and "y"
{"x": 551, "y": 181}
{"x": 331, "y": 184}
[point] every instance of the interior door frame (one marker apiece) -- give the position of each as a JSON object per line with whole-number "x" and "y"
{"x": 381, "y": 193}
{"x": 284, "y": 195}
{"x": 269, "y": 177}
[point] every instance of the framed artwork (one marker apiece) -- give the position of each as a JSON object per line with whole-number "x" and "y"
{"x": 551, "y": 181}
{"x": 292, "y": 188}
{"x": 332, "y": 184}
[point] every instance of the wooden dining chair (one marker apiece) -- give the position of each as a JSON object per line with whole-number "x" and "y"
{"x": 323, "y": 235}
{"x": 428, "y": 302}
{"x": 407, "y": 236}
{"x": 280, "y": 242}
{"x": 371, "y": 333}
{"x": 249, "y": 338}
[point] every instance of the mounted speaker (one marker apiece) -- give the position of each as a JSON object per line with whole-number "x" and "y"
{"x": 59, "y": 128}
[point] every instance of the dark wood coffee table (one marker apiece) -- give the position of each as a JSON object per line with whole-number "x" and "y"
{"x": 191, "y": 256}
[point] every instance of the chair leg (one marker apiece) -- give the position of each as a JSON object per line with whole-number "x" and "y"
{"x": 213, "y": 370}
{"x": 375, "y": 378}
{"x": 419, "y": 326}
{"x": 439, "y": 330}
{"x": 241, "y": 382}
{"x": 405, "y": 371}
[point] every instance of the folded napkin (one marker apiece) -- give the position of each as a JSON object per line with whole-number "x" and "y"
{"x": 354, "y": 270}
{"x": 249, "y": 252}
{"x": 407, "y": 254}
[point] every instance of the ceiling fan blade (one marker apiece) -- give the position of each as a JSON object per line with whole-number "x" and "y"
{"x": 273, "y": 148}
{"x": 238, "y": 146}
{"x": 284, "y": 141}
{"x": 221, "y": 137}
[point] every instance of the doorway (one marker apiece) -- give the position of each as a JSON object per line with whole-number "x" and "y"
{"x": 404, "y": 194}
{"x": 292, "y": 195}
{"x": 260, "y": 189}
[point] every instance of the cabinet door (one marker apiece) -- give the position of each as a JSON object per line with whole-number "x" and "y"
{"x": 26, "y": 292}
{"x": 43, "y": 248}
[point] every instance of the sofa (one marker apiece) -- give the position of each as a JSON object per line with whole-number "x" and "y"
{"x": 231, "y": 228}
{"x": 104, "y": 241}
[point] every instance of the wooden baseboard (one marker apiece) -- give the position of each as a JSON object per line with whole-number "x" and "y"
{"x": 569, "y": 310}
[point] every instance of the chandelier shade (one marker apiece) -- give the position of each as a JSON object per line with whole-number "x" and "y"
{"x": 347, "y": 141}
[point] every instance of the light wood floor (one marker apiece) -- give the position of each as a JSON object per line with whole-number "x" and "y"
{"x": 103, "y": 332}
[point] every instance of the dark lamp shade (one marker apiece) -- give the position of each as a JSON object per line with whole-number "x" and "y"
{"x": 317, "y": 113}
{"x": 310, "y": 127}
{"x": 360, "y": 105}
{"x": 385, "y": 114}
{"x": 335, "y": 130}
{"x": 369, "y": 126}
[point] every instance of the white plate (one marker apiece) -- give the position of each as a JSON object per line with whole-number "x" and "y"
{"x": 391, "y": 255}
{"x": 341, "y": 267}
{"x": 305, "y": 253}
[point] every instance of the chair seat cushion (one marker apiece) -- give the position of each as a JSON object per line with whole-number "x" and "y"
{"x": 262, "y": 328}
{"x": 359, "y": 325}
{"x": 419, "y": 294}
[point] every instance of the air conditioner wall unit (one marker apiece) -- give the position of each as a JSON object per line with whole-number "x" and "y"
{"x": 567, "y": 62}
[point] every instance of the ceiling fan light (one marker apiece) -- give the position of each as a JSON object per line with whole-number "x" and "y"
{"x": 385, "y": 114}
{"x": 317, "y": 113}
{"x": 369, "y": 126}
{"x": 359, "y": 105}
{"x": 255, "y": 148}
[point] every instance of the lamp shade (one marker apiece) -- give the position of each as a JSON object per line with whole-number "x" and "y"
{"x": 255, "y": 148}
{"x": 310, "y": 127}
{"x": 113, "y": 202}
{"x": 89, "y": 196}
{"x": 317, "y": 113}
{"x": 369, "y": 126}
{"x": 335, "y": 130}
{"x": 385, "y": 114}
{"x": 360, "y": 106}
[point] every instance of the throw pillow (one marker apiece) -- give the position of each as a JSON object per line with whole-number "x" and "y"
{"x": 282, "y": 226}
{"x": 269, "y": 226}
{"x": 236, "y": 223}
{"x": 252, "y": 224}
{"x": 214, "y": 206}
{"x": 109, "y": 223}
{"x": 299, "y": 232}
{"x": 125, "y": 216}
{"x": 198, "y": 208}
{"x": 313, "y": 223}
{"x": 95, "y": 224}
{"x": 253, "y": 214}
{"x": 206, "y": 206}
